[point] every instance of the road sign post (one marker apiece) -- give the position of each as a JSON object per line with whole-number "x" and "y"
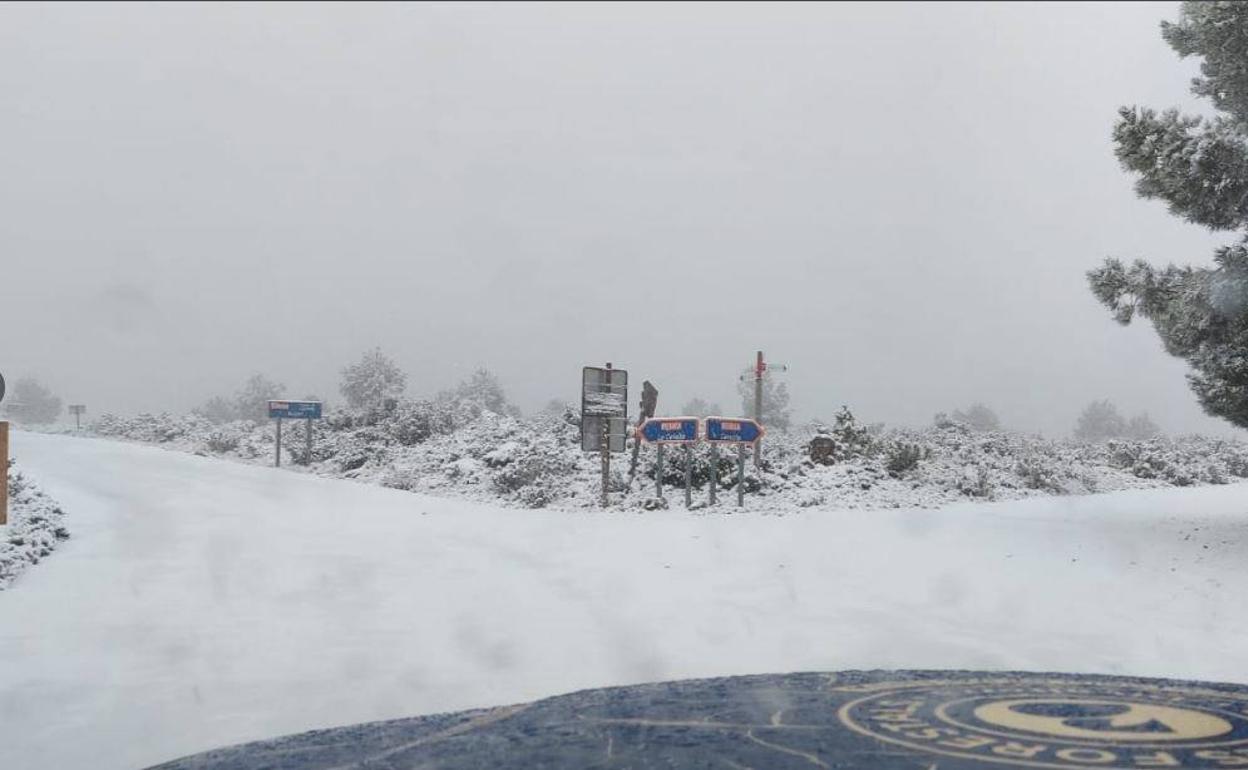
{"x": 604, "y": 416}
{"x": 649, "y": 400}
{"x": 740, "y": 475}
{"x": 658, "y": 474}
{"x": 688, "y": 476}
{"x": 4, "y": 472}
{"x": 739, "y": 431}
{"x": 301, "y": 410}
{"x": 661, "y": 431}
{"x": 77, "y": 410}
{"x": 714, "y": 472}
{"x": 760, "y": 368}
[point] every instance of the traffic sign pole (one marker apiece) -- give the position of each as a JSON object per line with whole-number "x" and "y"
{"x": 277, "y": 455}
{"x": 658, "y": 475}
{"x": 307, "y": 452}
{"x": 606, "y": 449}
{"x": 740, "y": 475}
{"x": 688, "y": 476}
{"x": 713, "y": 486}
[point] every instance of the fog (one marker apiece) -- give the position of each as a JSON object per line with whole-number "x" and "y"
{"x": 898, "y": 202}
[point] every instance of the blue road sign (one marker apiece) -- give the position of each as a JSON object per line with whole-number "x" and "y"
{"x": 295, "y": 410}
{"x": 735, "y": 430}
{"x": 670, "y": 430}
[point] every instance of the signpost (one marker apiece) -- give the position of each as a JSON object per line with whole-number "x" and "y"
{"x": 761, "y": 367}
{"x": 77, "y": 410}
{"x": 604, "y": 415}
{"x": 739, "y": 431}
{"x": 649, "y": 400}
{"x": 672, "y": 430}
{"x": 294, "y": 410}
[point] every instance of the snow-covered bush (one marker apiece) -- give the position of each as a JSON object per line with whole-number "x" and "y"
{"x": 34, "y": 530}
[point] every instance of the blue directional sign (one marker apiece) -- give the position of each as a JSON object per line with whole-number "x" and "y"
{"x": 295, "y": 410}
{"x": 670, "y": 430}
{"x": 735, "y": 430}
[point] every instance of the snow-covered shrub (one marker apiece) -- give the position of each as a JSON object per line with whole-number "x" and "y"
{"x": 901, "y": 457}
{"x": 34, "y": 530}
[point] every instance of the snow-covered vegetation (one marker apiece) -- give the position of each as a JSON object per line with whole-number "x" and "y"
{"x": 459, "y": 447}
{"x": 34, "y": 528}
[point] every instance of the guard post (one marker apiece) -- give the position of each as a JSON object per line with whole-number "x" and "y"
{"x": 300, "y": 410}
{"x": 734, "y": 430}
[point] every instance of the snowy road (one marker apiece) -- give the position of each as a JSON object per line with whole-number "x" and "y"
{"x": 202, "y": 603}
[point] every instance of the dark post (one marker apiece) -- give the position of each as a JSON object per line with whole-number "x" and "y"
{"x": 307, "y": 454}
{"x": 277, "y": 456}
{"x": 740, "y": 475}
{"x": 658, "y": 473}
{"x": 759, "y": 368}
{"x": 714, "y": 471}
{"x": 4, "y": 473}
{"x": 688, "y": 476}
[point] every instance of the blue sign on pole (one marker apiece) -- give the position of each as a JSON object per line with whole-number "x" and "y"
{"x": 736, "y": 430}
{"x": 670, "y": 430}
{"x": 295, "y": 410}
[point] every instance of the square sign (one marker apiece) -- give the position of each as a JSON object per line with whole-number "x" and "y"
{"x": 295, "y": 410}
{"x": 604, "y": 401}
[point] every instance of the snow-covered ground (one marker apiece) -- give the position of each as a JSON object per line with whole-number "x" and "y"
{"x": 202, "y": 602}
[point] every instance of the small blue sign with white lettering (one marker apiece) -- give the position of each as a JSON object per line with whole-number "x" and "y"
{"x": 670, "y": 430}
{"x": 295, "y": 410}
{"x": 736, "y": 430}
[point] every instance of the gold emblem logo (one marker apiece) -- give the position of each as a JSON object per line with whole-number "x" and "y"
{"x": 1057, "y": 723}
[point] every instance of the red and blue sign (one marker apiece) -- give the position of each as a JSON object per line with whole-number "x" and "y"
{"x": 670, "y": 430}
{"x": 295, "y": 410}
{"x": 735, "y": 430}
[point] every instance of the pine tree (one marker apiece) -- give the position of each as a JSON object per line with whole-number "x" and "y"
{"x": 251, "y": 402}
{"x": 697, "y": 407}
{"x": 1100, "y": 421}
{"x": 371, "y": 381}
{"x": 978, "y": 417}
{"x": 483, "y": 389}
{"x": 775, "y": 400}
{"x": 1141, "y": 427}
{"x": 1199, "y": 167}
{"x": 33, "y": 403}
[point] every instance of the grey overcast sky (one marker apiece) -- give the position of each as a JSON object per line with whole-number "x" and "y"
{"x": 898, "y": 201}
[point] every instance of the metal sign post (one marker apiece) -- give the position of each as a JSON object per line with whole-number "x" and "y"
{"x": 649, "y": 400}
{"x": 688, "y": 477}
{"x": 714, "y": 473}
{"x": 304, "y": 410}
{"x": 671, "y": 430}
{"x": 741, "y": 475}
{"x": 604, "y": 416}
{"x": 658, "y": 474}
{"x": 739, "y": 431}
{"x": 760, "y": 368}
{"x": 4, "y": 472}
{"x": 77, "y": 410}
